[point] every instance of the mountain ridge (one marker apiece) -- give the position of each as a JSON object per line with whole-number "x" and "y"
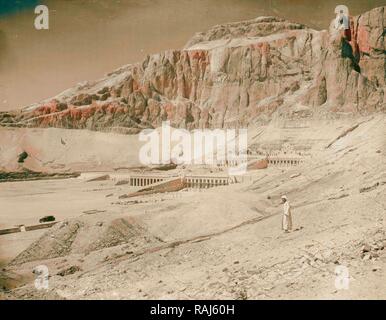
{"x": 232, "y": 75}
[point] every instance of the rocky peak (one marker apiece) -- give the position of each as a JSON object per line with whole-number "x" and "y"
{"x": 230, "y": 76}
{"x": 259, "y": 27}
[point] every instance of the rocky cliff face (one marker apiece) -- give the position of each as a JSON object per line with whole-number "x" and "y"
{"x": 230, "y": 76}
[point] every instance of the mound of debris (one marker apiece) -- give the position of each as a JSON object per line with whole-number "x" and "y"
{"x": 85, "y": 235}
{"x": 56, "y": 242}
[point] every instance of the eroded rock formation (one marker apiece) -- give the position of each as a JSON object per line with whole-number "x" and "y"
{"x": 230, "y": 76}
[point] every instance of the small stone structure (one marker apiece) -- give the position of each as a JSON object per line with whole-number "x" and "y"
{"x": 284, "y": 162}
{"x": 170, "y": 185}
{"x": 287, "y": 156}
{"x": 204, "y": 182}
{"x": 142, "y": 180}
{"x": 191, "y": 181}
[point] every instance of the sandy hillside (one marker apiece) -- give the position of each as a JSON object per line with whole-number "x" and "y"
{"x": 226, "y": 242}
{"x": 314, "y": 105}
{"x": 67, "y": 150}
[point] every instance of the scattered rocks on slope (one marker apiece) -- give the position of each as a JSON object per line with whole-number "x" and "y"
{"x": 369, "y": 188}
{"x": 69, "y": 271}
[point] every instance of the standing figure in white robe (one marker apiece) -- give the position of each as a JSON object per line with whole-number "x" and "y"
{"x": 287, "y": 215}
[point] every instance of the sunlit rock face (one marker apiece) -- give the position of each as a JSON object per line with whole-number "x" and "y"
{"x": 230, "y": 76}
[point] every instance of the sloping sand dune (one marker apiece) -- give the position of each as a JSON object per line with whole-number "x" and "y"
{"x": 67, "y": 150}
{"x": 227, "y": 242}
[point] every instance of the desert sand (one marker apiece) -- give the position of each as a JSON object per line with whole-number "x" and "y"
{"x": 314, "y": 107}
{"x": 221, "y": 243}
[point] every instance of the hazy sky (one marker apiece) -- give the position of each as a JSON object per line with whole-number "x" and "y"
{"x": 89, "y": 38}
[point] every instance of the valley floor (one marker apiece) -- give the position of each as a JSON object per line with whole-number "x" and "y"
{"x": 221, "y": 243}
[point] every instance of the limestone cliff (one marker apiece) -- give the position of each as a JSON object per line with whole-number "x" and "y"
{"x": 230, "y": 76}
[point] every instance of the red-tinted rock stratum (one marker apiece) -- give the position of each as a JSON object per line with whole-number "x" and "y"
{"x": 230, "y": 76}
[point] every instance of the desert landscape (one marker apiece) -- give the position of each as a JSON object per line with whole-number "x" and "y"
{"x": 314, "y": 107}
